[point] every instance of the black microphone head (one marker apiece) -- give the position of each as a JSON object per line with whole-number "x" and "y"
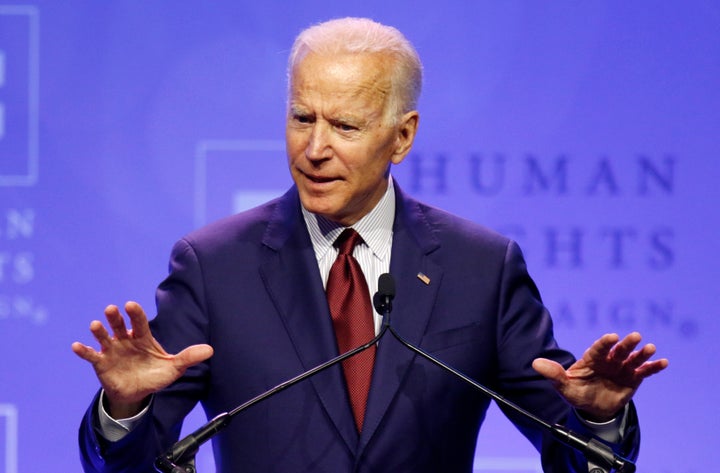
{"x": 382, "y": 300}
{"x": 386, "y": 286}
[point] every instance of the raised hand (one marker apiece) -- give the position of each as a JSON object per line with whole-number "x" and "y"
{"x": 607, "y": 376}
{"x": 131, "y": 364}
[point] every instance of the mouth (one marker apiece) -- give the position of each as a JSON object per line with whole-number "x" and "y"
{"x": 319, "y": 179}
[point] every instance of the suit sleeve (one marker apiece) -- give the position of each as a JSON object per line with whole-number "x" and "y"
{"x": 525, "y": 332}
{"x": 181, "y": 321}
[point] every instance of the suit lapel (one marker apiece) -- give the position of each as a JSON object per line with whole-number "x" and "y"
{"x": 293, "y": 281}
{"x": 413, "y": 241}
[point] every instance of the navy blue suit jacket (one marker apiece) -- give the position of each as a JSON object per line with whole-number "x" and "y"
{"x": 249, "y": 286}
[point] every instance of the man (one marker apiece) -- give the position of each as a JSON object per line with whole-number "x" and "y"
{"x": 245, "y": 308}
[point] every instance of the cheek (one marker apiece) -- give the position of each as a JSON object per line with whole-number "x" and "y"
{"x": 293, "y": 145}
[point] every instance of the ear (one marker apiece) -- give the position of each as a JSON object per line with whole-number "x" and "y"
{"x": 406, "y": 130}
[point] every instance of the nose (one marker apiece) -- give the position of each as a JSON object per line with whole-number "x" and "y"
{"x": 318, "y": 145}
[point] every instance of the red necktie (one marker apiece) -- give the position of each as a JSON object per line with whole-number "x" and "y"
{"x": 349, "y": 300}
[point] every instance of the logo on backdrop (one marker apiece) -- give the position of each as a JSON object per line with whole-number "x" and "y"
{"x": 222, "y": 184}
{"x": 18, "y": 159}
{"x": 19, "y": 96}
{"x": 8, "y": 438}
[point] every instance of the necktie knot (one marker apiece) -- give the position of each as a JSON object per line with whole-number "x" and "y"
{"x": 347, "y": 241}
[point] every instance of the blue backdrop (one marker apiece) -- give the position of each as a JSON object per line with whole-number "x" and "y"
{"x": 588, "y": 131}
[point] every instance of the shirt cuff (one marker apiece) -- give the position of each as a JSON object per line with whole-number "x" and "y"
{"x": 611, "y": 431}
{"x": 113, "y": 430}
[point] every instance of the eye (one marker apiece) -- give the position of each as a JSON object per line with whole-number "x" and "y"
{"x": 344, "y": 126}
{"x": 302, "y": 118}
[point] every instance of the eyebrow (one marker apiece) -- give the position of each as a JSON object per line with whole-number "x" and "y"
{"x": 355, "y": 120}
{"x": 348, "y": 119}
{"x": 298, "y": 110}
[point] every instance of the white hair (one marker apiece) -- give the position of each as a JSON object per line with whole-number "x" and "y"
{"x": 362, "y": 35}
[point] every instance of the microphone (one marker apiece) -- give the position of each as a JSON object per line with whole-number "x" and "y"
{"x": 382, "y": 300}
{"x": 593, "y": 450}
{"x": 180, "y": 458}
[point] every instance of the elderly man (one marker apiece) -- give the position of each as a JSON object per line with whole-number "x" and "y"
{"x": 256, "y": 298}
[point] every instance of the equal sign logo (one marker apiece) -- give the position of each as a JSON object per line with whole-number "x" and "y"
{"x": 235, "y": 175}
{"x": 8, "y": 438}
{"x": 2, "y": 83}
{"x": 19, "y": 95}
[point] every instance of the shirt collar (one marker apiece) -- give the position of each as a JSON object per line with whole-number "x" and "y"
{"x": 375, "y": 228}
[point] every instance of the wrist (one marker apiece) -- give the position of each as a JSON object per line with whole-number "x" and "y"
{"x": 122, "y": 410}
{"x": 599, "y": 418}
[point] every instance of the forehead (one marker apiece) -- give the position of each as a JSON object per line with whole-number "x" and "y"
{"x": 362, "y": 77}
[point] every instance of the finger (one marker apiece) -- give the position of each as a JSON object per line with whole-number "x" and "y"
{"x": 193, "y": 355}
{"x": 637, "y": 358}
{"x": 623, "y": 348}
{"x": 116, "y": 322}
{"x": 101, "y": 334}
{"x": 550, "y": 369}
{"x": 138, "y": 319}
{"x": 600, "y": 349}
{"x": 652, "y": 367}
{"x": 85, "y": 352}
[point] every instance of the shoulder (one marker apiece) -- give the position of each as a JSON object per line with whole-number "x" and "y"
{"x": 249, "y": 224}
{"x": 449, "y": 231}
{"x": 253, "y": 228}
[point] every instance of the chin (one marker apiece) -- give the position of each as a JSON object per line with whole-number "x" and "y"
{"x": 318, "y": 206}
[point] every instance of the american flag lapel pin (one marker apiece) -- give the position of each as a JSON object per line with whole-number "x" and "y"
{"x": 424, "y": 278}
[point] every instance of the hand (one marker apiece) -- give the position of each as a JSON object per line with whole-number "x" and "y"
{"x": 131, "y": 365}
{"x": 607, "y": 376}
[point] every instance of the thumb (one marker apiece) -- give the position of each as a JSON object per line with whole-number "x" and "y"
{"x": 550, "y": 369}
{"x": 193, "y": 355}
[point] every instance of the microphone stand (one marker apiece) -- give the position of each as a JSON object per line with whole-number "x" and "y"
{"x": 594, "y": 450}
{"x": 180, "y": 458}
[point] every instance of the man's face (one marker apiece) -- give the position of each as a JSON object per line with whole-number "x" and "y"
{"x": 339, "y": 140}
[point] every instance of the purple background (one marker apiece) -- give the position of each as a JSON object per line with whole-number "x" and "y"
{"x": 588, "y": 131}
